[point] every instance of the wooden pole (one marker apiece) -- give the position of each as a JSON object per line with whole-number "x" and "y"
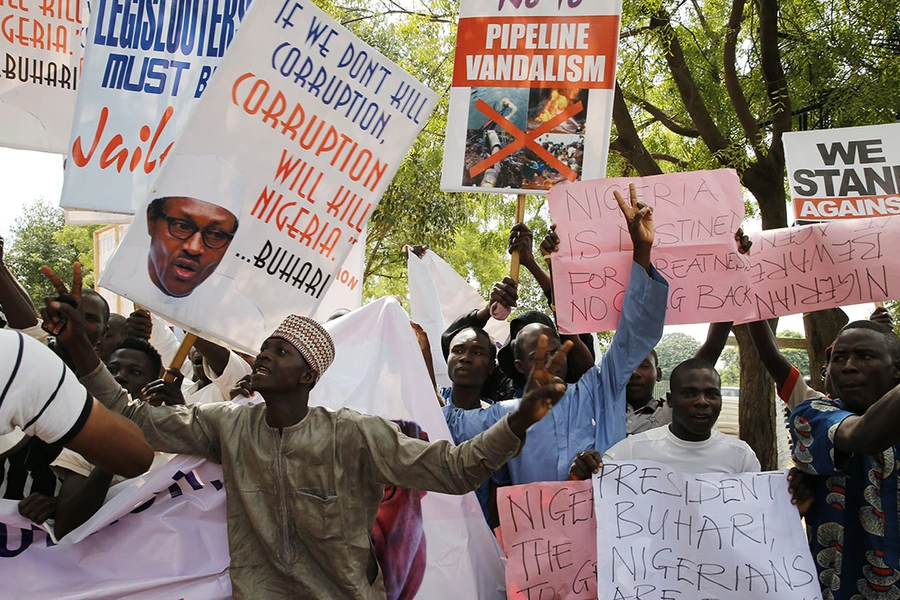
{"x": 520, "y": 218}
{"x": 498, "y": 311}
{"x": 186, "y": 344}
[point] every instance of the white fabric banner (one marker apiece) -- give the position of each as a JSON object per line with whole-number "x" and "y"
{"x": 41, "y": 46}
{"x": 662, "y": 534}
{"x": 259, "y": 203}
{"x": 163, "y": 534}
{"x": 533, "y": 87}
{"x": 437, "y": 296}
{"x": 844, "y": 173}
{"x": 145, "y": 66}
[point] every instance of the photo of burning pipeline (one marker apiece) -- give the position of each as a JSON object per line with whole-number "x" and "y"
{"x": 499, "y": 117}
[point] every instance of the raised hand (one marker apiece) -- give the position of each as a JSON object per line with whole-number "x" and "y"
{"x": 62, "y": 309}
{"x": 542, "y": 390}
{"x": 550, "y": 243}
{"x": 139, "y": 324}
{"x": 521, "y": 240}
{"x": 639, "y": 217}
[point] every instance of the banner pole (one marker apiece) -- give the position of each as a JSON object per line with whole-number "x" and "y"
{"x": 498, "y": 311}
{"x": 186, "y": 344}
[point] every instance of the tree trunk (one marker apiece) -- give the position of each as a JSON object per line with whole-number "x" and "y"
{"x": 821, "y": 328}
{"x": 756, "y": 410}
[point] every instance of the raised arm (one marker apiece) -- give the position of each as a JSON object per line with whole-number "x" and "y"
{"x": 873, "y": 432}
{"x": 716, "y": 338}
{"x": 176, "y": 429}
{"x": 766, "y": 346}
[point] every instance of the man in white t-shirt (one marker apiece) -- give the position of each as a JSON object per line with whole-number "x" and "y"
{"x": 689, "y": 444}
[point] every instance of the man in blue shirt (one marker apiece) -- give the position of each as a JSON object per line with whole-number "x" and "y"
{"x": 851, "y": 444}
{"x": 591, "y": 414}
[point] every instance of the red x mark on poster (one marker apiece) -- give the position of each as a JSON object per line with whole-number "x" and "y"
{"x": 523, "y": 139}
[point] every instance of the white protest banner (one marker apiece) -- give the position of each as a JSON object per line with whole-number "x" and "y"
{"x": 176, "y": 546}
{"x": 533, "y": 86}
{"x": 437, "y": 296}
{"x": 145, "y": 66}
{"x": 663, "y": 535}
{"x": 40, "y": 72}
{"x": 695, "y": 216}
{"x": 105, "y": 241}
{"x": 291, "y": 148}
{"x": 845, "y": 173}
{"x": 823, "y": 265}
{"x": 346, "y": 293}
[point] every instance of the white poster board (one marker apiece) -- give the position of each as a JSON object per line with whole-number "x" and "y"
{"x": 533, "y": 88}
{"x": 664, "y": 535}
{"x": 145, "y": 66}
{"x": 41, "y": 47}
{"x": 845, "y": 173}
{"x": 286, "y": 158}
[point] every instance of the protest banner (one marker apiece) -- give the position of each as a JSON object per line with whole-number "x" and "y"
{"x": 40, "y": 73}
{"x": 346, "y": 293}
{"x": 437, "y": 296}
{"x": 533, "y": 91}
{"x": 549, "y": 534}
{"x": 845, "y": 173}
{"x": 823, "y": 265}
{"x": 695, "y": 215}
{"x": 663, "y": 535}
{"x": 145, "y": 68}
{"x": 282, "y": 165}
{"x": 163, "y": 535}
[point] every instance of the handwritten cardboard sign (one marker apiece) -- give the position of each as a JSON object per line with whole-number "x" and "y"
{"x": 663, "y": 535}
{"x": 549, "y": 535}
{"x": 271, "y": 184}
{"x": 695, "y": 216}
{"x": 844, "y": 173}
{"x": 533, "y": 91}
{"x": 40, "y": 72}
{"x": 824, "y": 265}
{"x": 146, "y": 65}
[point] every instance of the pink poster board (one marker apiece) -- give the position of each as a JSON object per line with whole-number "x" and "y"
{"x": 695, "y": 215}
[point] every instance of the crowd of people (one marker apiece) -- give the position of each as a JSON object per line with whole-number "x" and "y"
{"x": 304, "y": 485}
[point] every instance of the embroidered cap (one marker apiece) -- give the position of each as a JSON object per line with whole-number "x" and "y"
{"x": 310, "y": 339}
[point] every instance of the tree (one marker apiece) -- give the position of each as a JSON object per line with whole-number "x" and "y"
{"x": 673, "y": 349}
{"x": 729, "y": 367}
{"x": 41, "y": 237}
{"x": 718, "y": 83}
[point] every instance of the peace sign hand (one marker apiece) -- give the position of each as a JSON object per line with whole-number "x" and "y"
{"x": 60, "y": 311}
{"x": 639, "y": 217}
{"x": 542, "y": 390}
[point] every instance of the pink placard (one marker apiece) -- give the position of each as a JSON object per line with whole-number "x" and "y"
{"x": 550, "y": 538}
{"x": 695, "y": 216}
{"x": 813, "y": 267}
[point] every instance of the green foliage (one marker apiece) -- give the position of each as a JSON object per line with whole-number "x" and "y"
{"x": 673, "y": 349}
{"x": 41, "y": 237}
{"x": 729, "y": 367}
{"x": 798, "y": 358}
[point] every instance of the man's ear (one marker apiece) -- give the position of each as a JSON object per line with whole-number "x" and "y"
{"x": 520, "y": 368}
{"x": 895, "y": 372}
{"x": 669, "y": 399}
{"x": 658, "y": 374}
{"x": 309, "y": 376}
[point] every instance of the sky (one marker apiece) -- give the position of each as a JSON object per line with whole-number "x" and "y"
{"x": 26, "y": 176}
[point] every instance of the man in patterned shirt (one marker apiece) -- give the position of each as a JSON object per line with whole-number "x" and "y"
{"x": 850, "y": 444}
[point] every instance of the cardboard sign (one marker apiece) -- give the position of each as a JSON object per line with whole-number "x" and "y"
{"x": 846, "y": 173}
{"x": 664, "y": 535}
{"x": 273, "y": 180}
{"x": 146, "y": 65}
{"x": 41, "y": 47}
{"x": 695, "y": 216}
{"x": 824, "y": 265}
{"x": 549, "y": 535}
{"x": 533, "y": 90}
